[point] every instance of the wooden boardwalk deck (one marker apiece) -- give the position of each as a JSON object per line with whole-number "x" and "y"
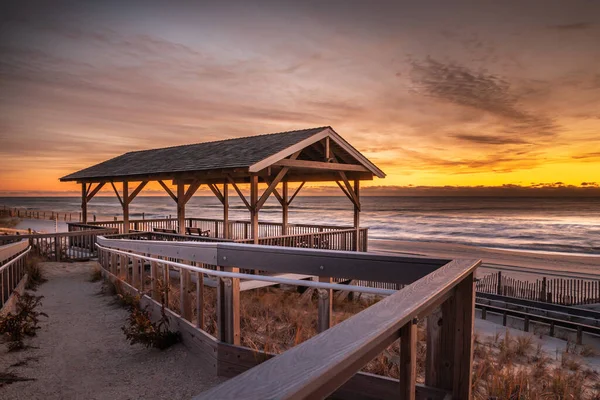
{"x": 80, "y": 352}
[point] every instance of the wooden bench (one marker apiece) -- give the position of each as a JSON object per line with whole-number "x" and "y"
{"x": 162, "y": 230}
{"x": 196, "y": 231}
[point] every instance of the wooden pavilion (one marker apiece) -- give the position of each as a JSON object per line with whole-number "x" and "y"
{"x": 308, "y": 155}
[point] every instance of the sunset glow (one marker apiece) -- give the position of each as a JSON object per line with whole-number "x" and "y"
{"x": 487, "y": 94}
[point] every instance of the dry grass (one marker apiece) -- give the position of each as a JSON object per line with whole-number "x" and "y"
{"x": 505, "y": 366}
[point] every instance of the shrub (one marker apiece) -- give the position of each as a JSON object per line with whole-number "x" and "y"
{"x": 35, "y": 276}
{"x": 141, "y": 329}
{"x": 24, "y": 323}
{"x": 96, "y": 275}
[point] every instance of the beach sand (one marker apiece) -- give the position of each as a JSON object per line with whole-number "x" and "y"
{"x": 521, "y": 264}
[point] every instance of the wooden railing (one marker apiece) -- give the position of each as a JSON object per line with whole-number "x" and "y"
{"x": 36, "y": 214}
{"x": 12, "y": 268}
{"x": 329, "y": 237}
{"x": 439, "y": 291}
{"x": 557, "y": 290}
{"x": 78, "y": 244}
{"x": 328, "y": 240}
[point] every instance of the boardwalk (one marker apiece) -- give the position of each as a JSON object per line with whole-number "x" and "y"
{"x": 82, "y": 352}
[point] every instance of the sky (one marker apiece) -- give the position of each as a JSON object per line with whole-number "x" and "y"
{"x": 462, "y": 95}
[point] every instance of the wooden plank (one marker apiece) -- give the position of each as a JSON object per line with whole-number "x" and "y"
{"x": 136, "y": 191}
{"x": 89, "y": 196}
{"x": 270, "y": 188}
{"x": 325, "y": 306}
{"x": 216, "y": 192}
{"x": 228, "y": 308}
{"x": 169, "y": 192}
{"x": 194, "y": 186}
{"x": 296, "y": 192}
{"x": 254, "y": 207}
{"x": 117, "y": 193}
{"x": 320, "y": 365}
{"x": 463, "y": 338}
{"x": 318, "y": 165}
{"x": 239, "y": 192}
{"x": 185, "y": 299}
{"x": 408, "y": 360}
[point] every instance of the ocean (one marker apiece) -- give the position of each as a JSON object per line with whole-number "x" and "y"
{"x": 570, "y": 225}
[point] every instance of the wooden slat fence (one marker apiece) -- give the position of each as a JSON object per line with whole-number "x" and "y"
{"x": 12, "y": 268}
{"x": 556, "y": 290}
{"x": 20, "y": 212}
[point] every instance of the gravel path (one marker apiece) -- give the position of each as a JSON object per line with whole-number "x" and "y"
{"x": 82, "y": 353}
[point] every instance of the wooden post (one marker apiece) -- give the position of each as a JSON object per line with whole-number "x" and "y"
{"x": 254, "y": 207}
{"x": 463, "y": 338}
{"x": 226, "y": 234}
{"x": 544, "y": 290}
{"x": 125, "y": 207}
{"x": 228, "y": 308}
{"x": 357, "y": 216}
{"x": 408, "y": 360}
{"x": 284, "y": 211}
{"x": 325, "y": 306}
{"x": 83, "y": 203}
{"x": 154, "y": 279}
{"x": 200, "y": 300}
{"x": 499, "y": 285}
{"x": 185, "y": 300}
{"x": 181, "y": 208}
{"x": 433, "y": 363}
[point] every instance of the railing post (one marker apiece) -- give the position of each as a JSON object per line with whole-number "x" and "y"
{"x": 228, "y": 308}
{"x": 185, "y": 300}
{"x": 325, "y": 306}
{"x": 463, "y": 337}
{"x": 499, "y": 285}
{"x": 57, "y": 247}
{"x": 199, "y": 300}
{"x": 154, "y": 280}
{"x": 408, "y": 360}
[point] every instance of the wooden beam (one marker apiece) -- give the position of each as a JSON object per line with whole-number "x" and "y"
{"x": 117, "y": 193}
{"x": 91, "y": 194}
{"x": 320, "y": 165}
{"x": 88, "y": 189}
{"x": 83, "y": 204}
{"x": 169, "y": 192}
{"x": 270, "y": 189}
{"x": 285, "y": 209}
{"x": 254, "y": 207}
{"x": 296, "y": 193}
{"x": 136, "y": 191}
{"x": 190, "y": 191}
{"x": 216, "y": 192}
{"x": 408, "y": 360}
{"x": 327, "y": 149}
{"x": 345, "y": 191}
{"x": 357, "y": 215}
{"x": 225, "y": 211}
{"x": 239, "y": 192}
{"x": 354, "y": 198}
{"x": 181, "y": 208}
{"x": 125, "y": 204}
{"x": 463, "y": 337}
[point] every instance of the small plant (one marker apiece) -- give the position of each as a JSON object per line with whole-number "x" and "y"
{"x": 588, "y": 351}
{"x": 96, "y": 275}
{"x": 141, "y": 329}
{"x": 24, "y": 323}
{"x": 35, "y": 276}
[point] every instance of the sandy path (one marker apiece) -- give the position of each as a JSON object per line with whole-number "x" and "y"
{"x": 83, "y": 353}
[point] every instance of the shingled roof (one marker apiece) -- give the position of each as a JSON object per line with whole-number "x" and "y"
{"x": 223, "y": 154}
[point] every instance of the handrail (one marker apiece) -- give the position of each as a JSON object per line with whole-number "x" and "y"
{"x": 8, "y": 264}
{"x": 262, "y": 278}
{"x": 317, "y": 367}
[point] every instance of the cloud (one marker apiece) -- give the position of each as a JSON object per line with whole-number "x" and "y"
{"x": 486, "y": 139}
{"x": 576, "y": 26}
{"x": 479, "y": 91}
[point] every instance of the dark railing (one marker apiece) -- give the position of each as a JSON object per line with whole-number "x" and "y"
{"x": 557, "y": 291}
{"x": 437, "y": 290}
{"x": 12, "y": 268}
{"x": 78, "y": 244}
{"x": 329, "y": 237}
